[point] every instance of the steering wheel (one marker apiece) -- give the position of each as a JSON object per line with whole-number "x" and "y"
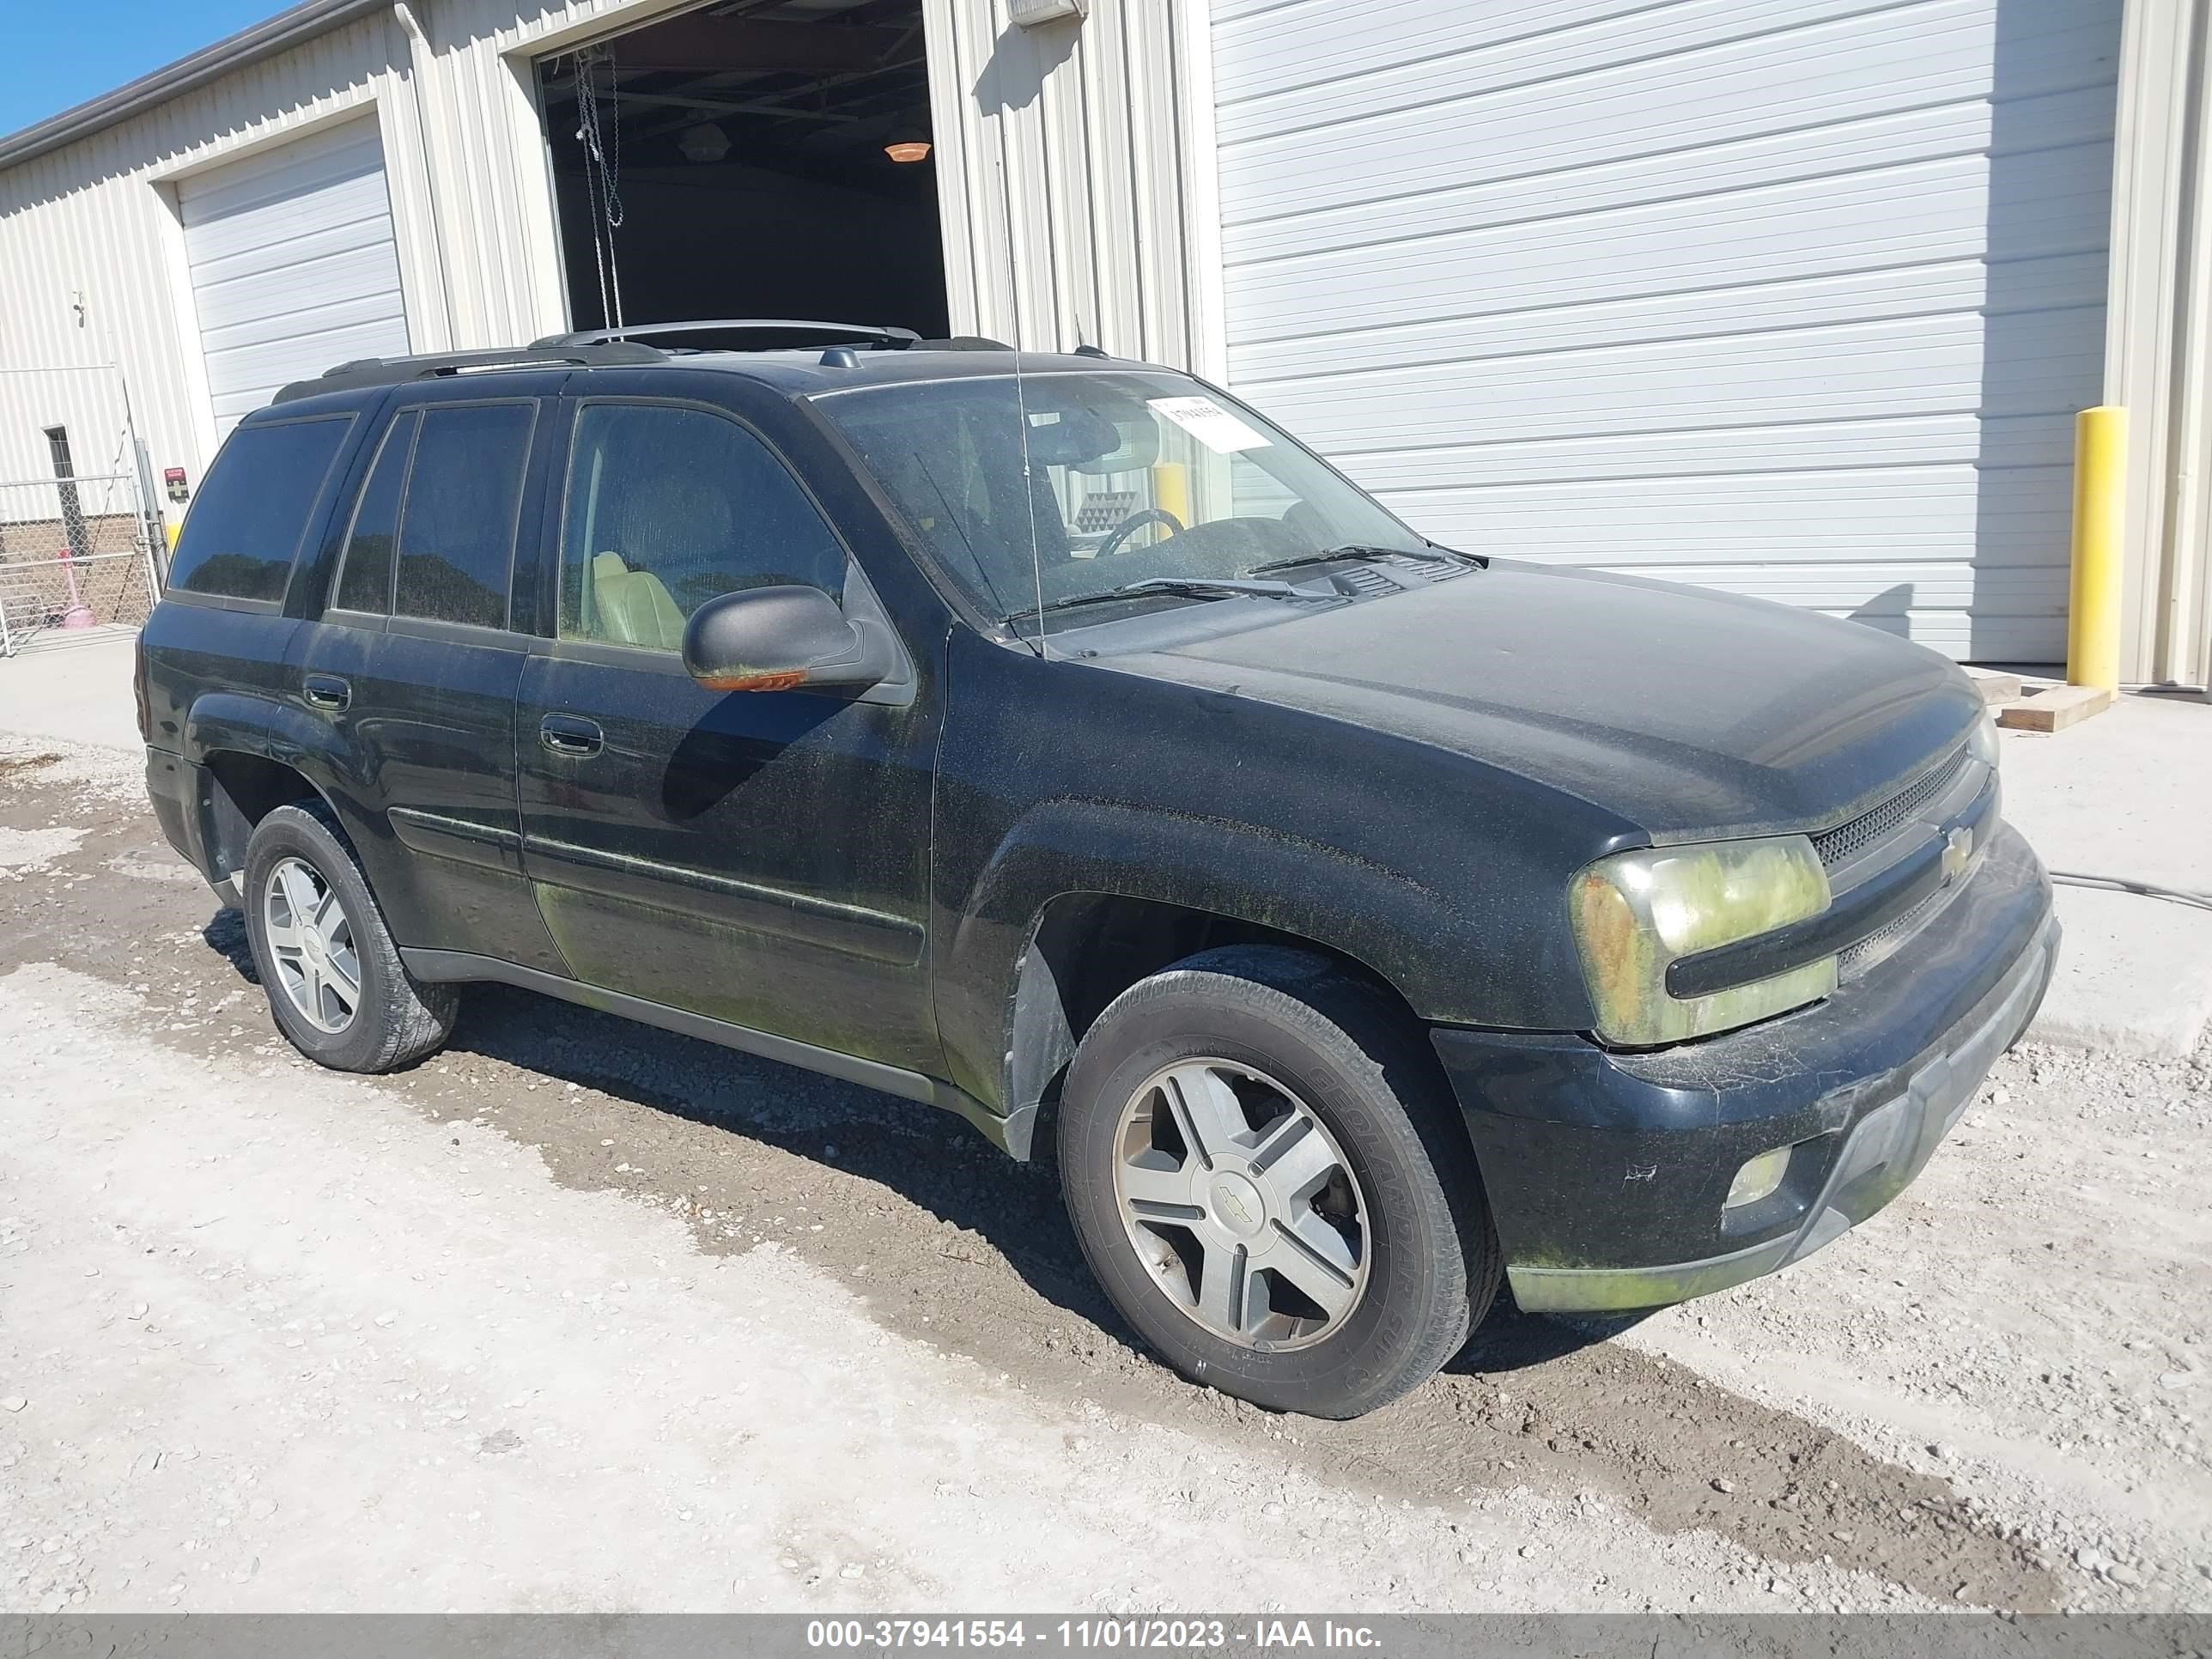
{"x": 1136, "y": 521}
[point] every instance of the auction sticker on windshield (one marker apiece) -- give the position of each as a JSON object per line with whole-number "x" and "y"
{"x": 1209, "y": 423}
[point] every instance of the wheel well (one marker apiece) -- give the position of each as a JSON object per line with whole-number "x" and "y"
{"x": 1088, "y": 948}
{"x": 242, "y": 790}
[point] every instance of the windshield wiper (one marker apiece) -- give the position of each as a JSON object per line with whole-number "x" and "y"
{"x": 1431, "y": 554}
{"x": 1195, "y": 587}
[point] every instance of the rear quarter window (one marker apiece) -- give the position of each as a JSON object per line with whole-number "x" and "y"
{"x": 244, "y": 531}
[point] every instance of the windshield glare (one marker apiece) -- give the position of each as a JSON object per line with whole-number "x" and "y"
{"x": 1133, "y": 476}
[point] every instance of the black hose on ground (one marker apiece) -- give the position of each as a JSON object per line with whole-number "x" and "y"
{"x": 2122, "y": 885}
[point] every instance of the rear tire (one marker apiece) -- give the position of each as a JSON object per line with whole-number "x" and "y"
{"x": 1263, "y": 1165}
{"x": 335, "y": 981}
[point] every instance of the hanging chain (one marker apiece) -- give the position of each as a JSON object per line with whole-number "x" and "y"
{"x": 602, "y": 141}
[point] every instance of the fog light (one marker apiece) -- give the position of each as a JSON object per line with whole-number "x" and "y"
{"x": 1758, "y": 1178}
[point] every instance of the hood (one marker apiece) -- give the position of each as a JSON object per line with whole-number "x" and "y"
{"x": 1685, "y": 711}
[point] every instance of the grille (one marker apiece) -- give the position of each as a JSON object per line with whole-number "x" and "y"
{"x": 1847, "y": 841}
{"x": 1857, "y": 959}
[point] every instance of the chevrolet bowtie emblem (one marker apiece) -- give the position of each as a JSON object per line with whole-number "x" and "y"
{"x": 1958, "y": 848}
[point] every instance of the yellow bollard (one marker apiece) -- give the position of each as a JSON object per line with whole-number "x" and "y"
{"x": 1171, "y": 490}
{"x": 2093, "y": 618}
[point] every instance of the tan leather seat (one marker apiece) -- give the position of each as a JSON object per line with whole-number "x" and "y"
{"x": 632, "y": 607}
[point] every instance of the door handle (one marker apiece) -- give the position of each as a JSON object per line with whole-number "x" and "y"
{"x": 326, "y": 691}
{"x": 570, "y": 735}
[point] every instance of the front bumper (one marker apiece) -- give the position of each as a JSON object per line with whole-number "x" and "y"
{"x": 1606, "y": 1172}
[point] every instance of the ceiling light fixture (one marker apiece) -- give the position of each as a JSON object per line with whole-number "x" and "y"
{"x": 907, "y": 147}
{"x": 705, "y": 142}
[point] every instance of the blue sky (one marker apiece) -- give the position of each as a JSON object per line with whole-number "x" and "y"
{"x": 62, "y": 54}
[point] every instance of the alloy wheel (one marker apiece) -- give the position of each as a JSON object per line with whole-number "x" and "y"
{"x": 1242, "y": 1204}
{"x": 311, "y": 941}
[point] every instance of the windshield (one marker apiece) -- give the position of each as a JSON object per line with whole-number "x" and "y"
{"x": 1135, "y": 477}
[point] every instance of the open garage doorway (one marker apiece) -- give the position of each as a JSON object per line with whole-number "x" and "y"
{"x": 758, "y": 158}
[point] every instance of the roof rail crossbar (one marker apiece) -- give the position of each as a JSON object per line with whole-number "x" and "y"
{"x": 885, "y": 336}
{"x": 393, "y": 370}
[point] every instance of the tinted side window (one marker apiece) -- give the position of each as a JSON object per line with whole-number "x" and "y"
{"x": 457, "y": 530}
{"x": 365, "y": 578}
{"x": 241, "y": 534}
{"x": 668, "y": 508}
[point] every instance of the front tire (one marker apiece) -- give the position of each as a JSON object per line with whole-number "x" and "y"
{"x": 1262, "y": 1165}
{"x": 332, "y": 972}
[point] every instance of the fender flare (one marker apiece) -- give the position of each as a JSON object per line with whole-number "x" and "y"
{"x": 998, "y": 1006}
{"x": 272, "y": 729}
{"x": 247, "y": 723}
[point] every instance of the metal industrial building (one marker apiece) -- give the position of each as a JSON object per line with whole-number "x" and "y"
{"x": 1797, "y": 297}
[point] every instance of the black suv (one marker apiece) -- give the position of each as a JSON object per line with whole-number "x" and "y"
{"x": 1055, "y": 740}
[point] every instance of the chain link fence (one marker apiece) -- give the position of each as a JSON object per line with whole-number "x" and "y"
{"x": 81, "y": 544}
{"x": 74, "y": 553}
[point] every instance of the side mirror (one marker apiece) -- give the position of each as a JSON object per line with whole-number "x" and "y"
{"x": 776, "y": 638}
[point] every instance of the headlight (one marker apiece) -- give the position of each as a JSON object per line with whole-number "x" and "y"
{"x": 1635, "y": 912}
{"x": 1982, "y": 740}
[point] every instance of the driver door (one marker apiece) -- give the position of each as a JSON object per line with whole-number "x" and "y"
{"x": 760, "y": 858}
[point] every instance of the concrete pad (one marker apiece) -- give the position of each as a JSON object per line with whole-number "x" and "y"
{"x": 2124, "y": 795}
{"x": 2134, "y": 975}
{"x": 73, "y": 688}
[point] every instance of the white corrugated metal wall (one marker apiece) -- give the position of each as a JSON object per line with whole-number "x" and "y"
{"x": 1094, "y": 118}
{"x": 1850, "y": 173}
{"x": 2158, "y": 349}
{"x": 1087, "y": 132}
{"x": 1796, "y": 297}
{"x": 98, "y": 219}
{"x": 87, "y": 402}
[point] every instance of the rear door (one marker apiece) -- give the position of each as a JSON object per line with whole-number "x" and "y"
{"x": 761, "y": 858}
{"x": 418, "y": 655}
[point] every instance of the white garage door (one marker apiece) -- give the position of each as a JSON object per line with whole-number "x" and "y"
{"x": 1795, "y": 297}
{"x": 292, "y": 267}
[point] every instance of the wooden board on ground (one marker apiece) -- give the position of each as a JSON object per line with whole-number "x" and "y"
{"x": 1994, "y": 684}
{"x": 2055, "y": 709}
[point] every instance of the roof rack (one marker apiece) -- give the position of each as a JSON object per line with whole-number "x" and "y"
{"x": 392, "y": 371}
{"x": 885, "y": 337}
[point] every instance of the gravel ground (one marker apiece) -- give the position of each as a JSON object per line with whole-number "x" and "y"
{"x": 580, "y": 1315}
